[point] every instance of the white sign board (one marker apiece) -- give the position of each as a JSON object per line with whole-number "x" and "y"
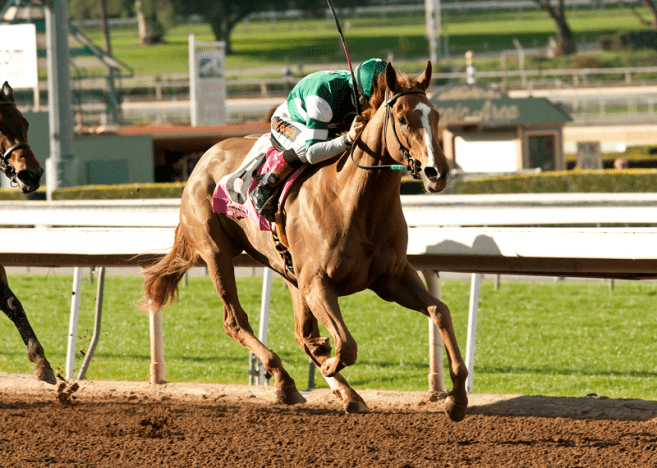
{"x": 207, "y": 71}
{"x": 485, "y": 154}
{"x": 18, "y": 56}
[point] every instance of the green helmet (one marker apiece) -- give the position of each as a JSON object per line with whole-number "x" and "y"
{"x": 367, "y": 73}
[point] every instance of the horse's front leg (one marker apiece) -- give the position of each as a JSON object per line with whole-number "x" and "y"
{"x": 318, "y": 348}
{"x": 408, "y": 290}
{"x": 322, "y": 299}
{"x": 13, "y": 308}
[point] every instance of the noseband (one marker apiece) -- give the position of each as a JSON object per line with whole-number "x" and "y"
{"x": 6, "y": 168}
{"x": 413, "y": 165}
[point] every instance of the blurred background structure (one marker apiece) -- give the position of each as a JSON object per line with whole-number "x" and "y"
{"x": 595, "y": 61}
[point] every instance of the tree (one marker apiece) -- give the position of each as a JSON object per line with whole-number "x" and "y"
{"x": 102, "y": 15}
{"x": 651, "y": 5}
{"x": 88, "y": 9}
{"x": 565, "y": 38}
{"x": 224, "y": 15}
{"x": 152, "y": 17}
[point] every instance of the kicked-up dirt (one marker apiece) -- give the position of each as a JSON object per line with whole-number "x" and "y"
{"x": 135, "y": 424}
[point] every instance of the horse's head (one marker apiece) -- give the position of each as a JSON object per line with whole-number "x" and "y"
{"x": 17, "y": 161}
{"x": 411, "y": 129}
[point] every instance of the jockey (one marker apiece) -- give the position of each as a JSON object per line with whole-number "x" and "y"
{"x": 300, "y": 126}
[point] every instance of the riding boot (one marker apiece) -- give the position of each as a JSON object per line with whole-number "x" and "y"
{"x": 264, "y": 194}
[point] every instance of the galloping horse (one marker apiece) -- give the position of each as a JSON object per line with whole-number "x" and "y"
{"x": 23, "y": 170}
{"x": 346, "y": 232}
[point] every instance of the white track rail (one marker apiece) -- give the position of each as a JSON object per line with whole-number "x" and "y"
{"x": 503, "y": 234}
{"x": 420, "y": 210}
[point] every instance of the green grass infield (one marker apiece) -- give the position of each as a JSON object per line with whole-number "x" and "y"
{"x": 548, "y": 338}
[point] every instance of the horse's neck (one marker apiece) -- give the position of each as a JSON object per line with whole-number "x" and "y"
{"x": 370, "y": 190}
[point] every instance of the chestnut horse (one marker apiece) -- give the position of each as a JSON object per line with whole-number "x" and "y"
{"x": 23, "y": 170}
{"x": 346, "y": 232}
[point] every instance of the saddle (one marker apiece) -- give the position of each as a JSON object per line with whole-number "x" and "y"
{"x": 232, "y": 194}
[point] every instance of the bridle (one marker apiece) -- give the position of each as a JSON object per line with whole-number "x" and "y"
{"x": 414, "y": 166}
{"x": 7, "y": 169}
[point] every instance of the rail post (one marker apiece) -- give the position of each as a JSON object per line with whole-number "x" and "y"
{"x": 436, "y": 375}
{"x": 158, "y": 371}
{"x": 97, "y": 322}
{"x": 73, "y": 323}
{"x": 472, "y": 329}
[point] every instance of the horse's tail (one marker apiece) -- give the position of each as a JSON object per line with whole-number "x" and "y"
{"x": 161, "y": 279}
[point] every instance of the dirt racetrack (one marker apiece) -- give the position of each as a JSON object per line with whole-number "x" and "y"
{"x": 134, "y": 424}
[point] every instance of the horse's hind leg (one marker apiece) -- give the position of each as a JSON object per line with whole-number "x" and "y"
{"x": 12, "y": 307}
{"x": 236, "y": 321}
{"x": 408, "y": 290}
{"x": 318, "y": 348}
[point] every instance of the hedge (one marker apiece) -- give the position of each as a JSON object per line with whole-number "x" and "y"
{"x": 629, "y": 40}
{"x": 139, "y": 191}
{"x": 120, "y": 192}
{"x": 102, "y": 192}
{"x": 606, "y": 181}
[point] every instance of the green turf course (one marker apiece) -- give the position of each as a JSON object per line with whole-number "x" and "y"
{"x": 264, "y": 43}
{"x": 562, "y": 339}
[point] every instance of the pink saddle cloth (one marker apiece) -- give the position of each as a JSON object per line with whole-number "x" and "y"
{"x": 232, "y": 194}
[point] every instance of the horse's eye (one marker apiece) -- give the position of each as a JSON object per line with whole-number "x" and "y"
{"x": 402, "y": 120}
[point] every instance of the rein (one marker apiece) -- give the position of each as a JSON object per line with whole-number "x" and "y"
{"x": 413, "y": 165}
{"x": 5, "y": 166}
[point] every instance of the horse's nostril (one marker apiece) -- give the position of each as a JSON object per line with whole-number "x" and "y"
{"x": 24, "y": 176}
{"x": 430, "y": 172}
{"x": 30, "y": 176}
{"x": 29, "y": 181}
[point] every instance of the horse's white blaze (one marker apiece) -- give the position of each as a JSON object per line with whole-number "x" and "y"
{"x": 428, "y": 136}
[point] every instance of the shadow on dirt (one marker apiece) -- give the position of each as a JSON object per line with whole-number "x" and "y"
{"x": 590, "y": 407}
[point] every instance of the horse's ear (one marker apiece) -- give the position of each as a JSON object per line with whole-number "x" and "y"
{"x": 391, "y": 79}
{"x": 424, "y": 80}
{"x": 7, "y": 91}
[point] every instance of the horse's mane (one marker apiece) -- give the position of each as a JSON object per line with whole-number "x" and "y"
{"x": 378, "y": 96}
{"x": 378, "y": 93}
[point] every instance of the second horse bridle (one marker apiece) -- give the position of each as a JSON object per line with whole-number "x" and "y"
{"x": 413, "y": 165}
{"x": 6, "y": 168}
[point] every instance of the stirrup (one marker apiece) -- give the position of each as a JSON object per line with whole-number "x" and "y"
{"x": 266, "y": 208}
{"x": 261, "y": 198}
{"x": 268, "y": 212}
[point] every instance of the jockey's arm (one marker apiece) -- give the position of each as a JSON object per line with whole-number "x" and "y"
{"x": 321, "y": 150}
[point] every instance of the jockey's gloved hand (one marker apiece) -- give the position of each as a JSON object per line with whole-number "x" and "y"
{"x": 357, "y": 126}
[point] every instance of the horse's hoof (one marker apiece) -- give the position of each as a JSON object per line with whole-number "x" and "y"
{"x": 455, "y": 411}
{"x": 435, "y": 396}
{"x": 353, "y": 402}
{"x": 45, "y": 374}
{"x": 356, "y": 406}
{"x": 291, "y": 396}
